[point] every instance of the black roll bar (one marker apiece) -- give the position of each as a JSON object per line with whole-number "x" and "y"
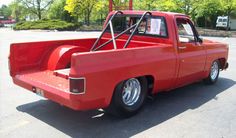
{"x": 136, "y": 27}
{"x": 103, "y": 31}
{"x": 115, "y": 37}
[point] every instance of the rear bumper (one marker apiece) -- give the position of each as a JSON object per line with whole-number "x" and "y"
{"x": 221, "y": 26}
{"x": 58, "y": 91}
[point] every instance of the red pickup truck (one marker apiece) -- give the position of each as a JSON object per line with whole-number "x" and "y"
{"x": 137, "y": 54}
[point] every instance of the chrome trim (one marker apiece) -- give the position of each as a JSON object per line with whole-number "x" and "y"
{"x": 131, "y": 91}
{"x": 182, "y": 47}
{"x": 214, "y": 70}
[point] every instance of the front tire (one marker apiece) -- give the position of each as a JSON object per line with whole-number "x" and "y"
{"x": 214, "y": 73}
{"x": 128, "y": 97}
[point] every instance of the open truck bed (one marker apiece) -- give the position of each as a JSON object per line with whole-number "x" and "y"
{"x": 45, "y": 68}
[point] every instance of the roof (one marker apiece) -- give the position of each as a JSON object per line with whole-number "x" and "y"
{"x": 153, "y": 12}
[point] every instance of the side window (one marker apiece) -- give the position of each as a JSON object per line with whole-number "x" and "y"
{"x": 185, "y": 30}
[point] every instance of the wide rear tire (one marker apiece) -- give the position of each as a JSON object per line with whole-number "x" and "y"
{"x": 128, "y": 97}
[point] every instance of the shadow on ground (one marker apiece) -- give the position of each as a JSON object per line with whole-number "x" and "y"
{"x": 96, "y": 124}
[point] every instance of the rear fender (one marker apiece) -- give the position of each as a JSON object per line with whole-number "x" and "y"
{"x": 60, "y": 57}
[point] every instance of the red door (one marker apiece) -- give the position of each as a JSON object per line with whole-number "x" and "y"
{"x": 192, "y": 54}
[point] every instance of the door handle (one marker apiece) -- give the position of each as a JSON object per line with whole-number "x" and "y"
{"x": 182, "y": 47}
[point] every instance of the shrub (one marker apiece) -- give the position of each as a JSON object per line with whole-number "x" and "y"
{"x": 46, "y": 25}
{"x": 90, "y": 28}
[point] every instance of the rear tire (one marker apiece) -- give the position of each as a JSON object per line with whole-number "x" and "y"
{"x": 214, "y": 73}
{"x": 128, "y": 97}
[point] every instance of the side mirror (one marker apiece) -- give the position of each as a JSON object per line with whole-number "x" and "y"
{"x": 200, "y": 39}
{"x": 184, "y": 40}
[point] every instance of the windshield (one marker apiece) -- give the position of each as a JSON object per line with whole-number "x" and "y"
{"x": 151, "y": 25}
{"x": 224, "y": 20}
{"x": 220, "y": 20}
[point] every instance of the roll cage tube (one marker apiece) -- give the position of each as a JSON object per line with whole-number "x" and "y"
{"x": 103, "y": 31}
{"x": 135, "y": 26}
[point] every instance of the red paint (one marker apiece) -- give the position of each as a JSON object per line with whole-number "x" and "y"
{"x": 160, "y": 58}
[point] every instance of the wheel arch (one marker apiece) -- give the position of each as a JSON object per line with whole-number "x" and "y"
{"x": 222, "y": 62}
{"x": 114, "y": 107}
{"x": 150, "y": 82}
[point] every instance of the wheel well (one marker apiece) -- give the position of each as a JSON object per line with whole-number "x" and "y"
{"x": 222, "y": 62}
{"x": 150, "y": 80}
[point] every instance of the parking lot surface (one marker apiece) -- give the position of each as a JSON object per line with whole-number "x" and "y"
{"x": 196, "y": 110}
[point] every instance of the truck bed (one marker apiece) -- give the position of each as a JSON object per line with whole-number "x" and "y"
{"x": 55, "y": 55}
{"x": 47, "y": 78}
{"x": 45, "y": 68}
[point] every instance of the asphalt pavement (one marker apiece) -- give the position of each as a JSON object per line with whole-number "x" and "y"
{"x": 193, "y": 111}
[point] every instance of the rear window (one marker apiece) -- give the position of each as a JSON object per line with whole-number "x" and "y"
{"x": 151, "y": 25}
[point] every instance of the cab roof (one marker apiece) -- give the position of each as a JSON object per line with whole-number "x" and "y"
{"x": 160, "y": 13}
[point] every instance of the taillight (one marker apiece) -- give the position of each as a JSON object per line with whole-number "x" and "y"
{"x": 77, "y": 85}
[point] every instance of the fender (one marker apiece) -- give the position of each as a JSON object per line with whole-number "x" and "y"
{"x": 60, "y": 57}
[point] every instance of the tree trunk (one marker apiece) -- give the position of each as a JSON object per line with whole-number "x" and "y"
{"x": 39, "y": 9}
{"x": 85, "y": 18}
{"x": 88, "y": 18}
{"x": 39, "y": 15}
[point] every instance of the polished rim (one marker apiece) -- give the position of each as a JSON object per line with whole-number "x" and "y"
{"x": 131, "y": 91}
{"x": 214, "y": 70}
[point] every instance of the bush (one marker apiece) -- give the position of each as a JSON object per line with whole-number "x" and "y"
{"x": 94, "y": 27}
{"x": 46, "y": 25}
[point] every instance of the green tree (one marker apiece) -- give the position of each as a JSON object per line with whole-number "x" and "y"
{"x": 57, "y": 11}
{"x": 18, "y": 12}
{"x": 5, "y": 11}
{"x": 170, "y": 5}
{"x": 145, "y": 4}
{"x": 82, "y": 8}
{"x": 207, "y": 12}
{"x": 36, "y": 7}
{"x": 228, "y": 6}
{"x": 100, "y": 11}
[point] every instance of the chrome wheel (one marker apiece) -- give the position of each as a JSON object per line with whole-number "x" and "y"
{"x": 128, "y": 97}
{"x": 131, "y": 91}
{"x": 214, "y": 70}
